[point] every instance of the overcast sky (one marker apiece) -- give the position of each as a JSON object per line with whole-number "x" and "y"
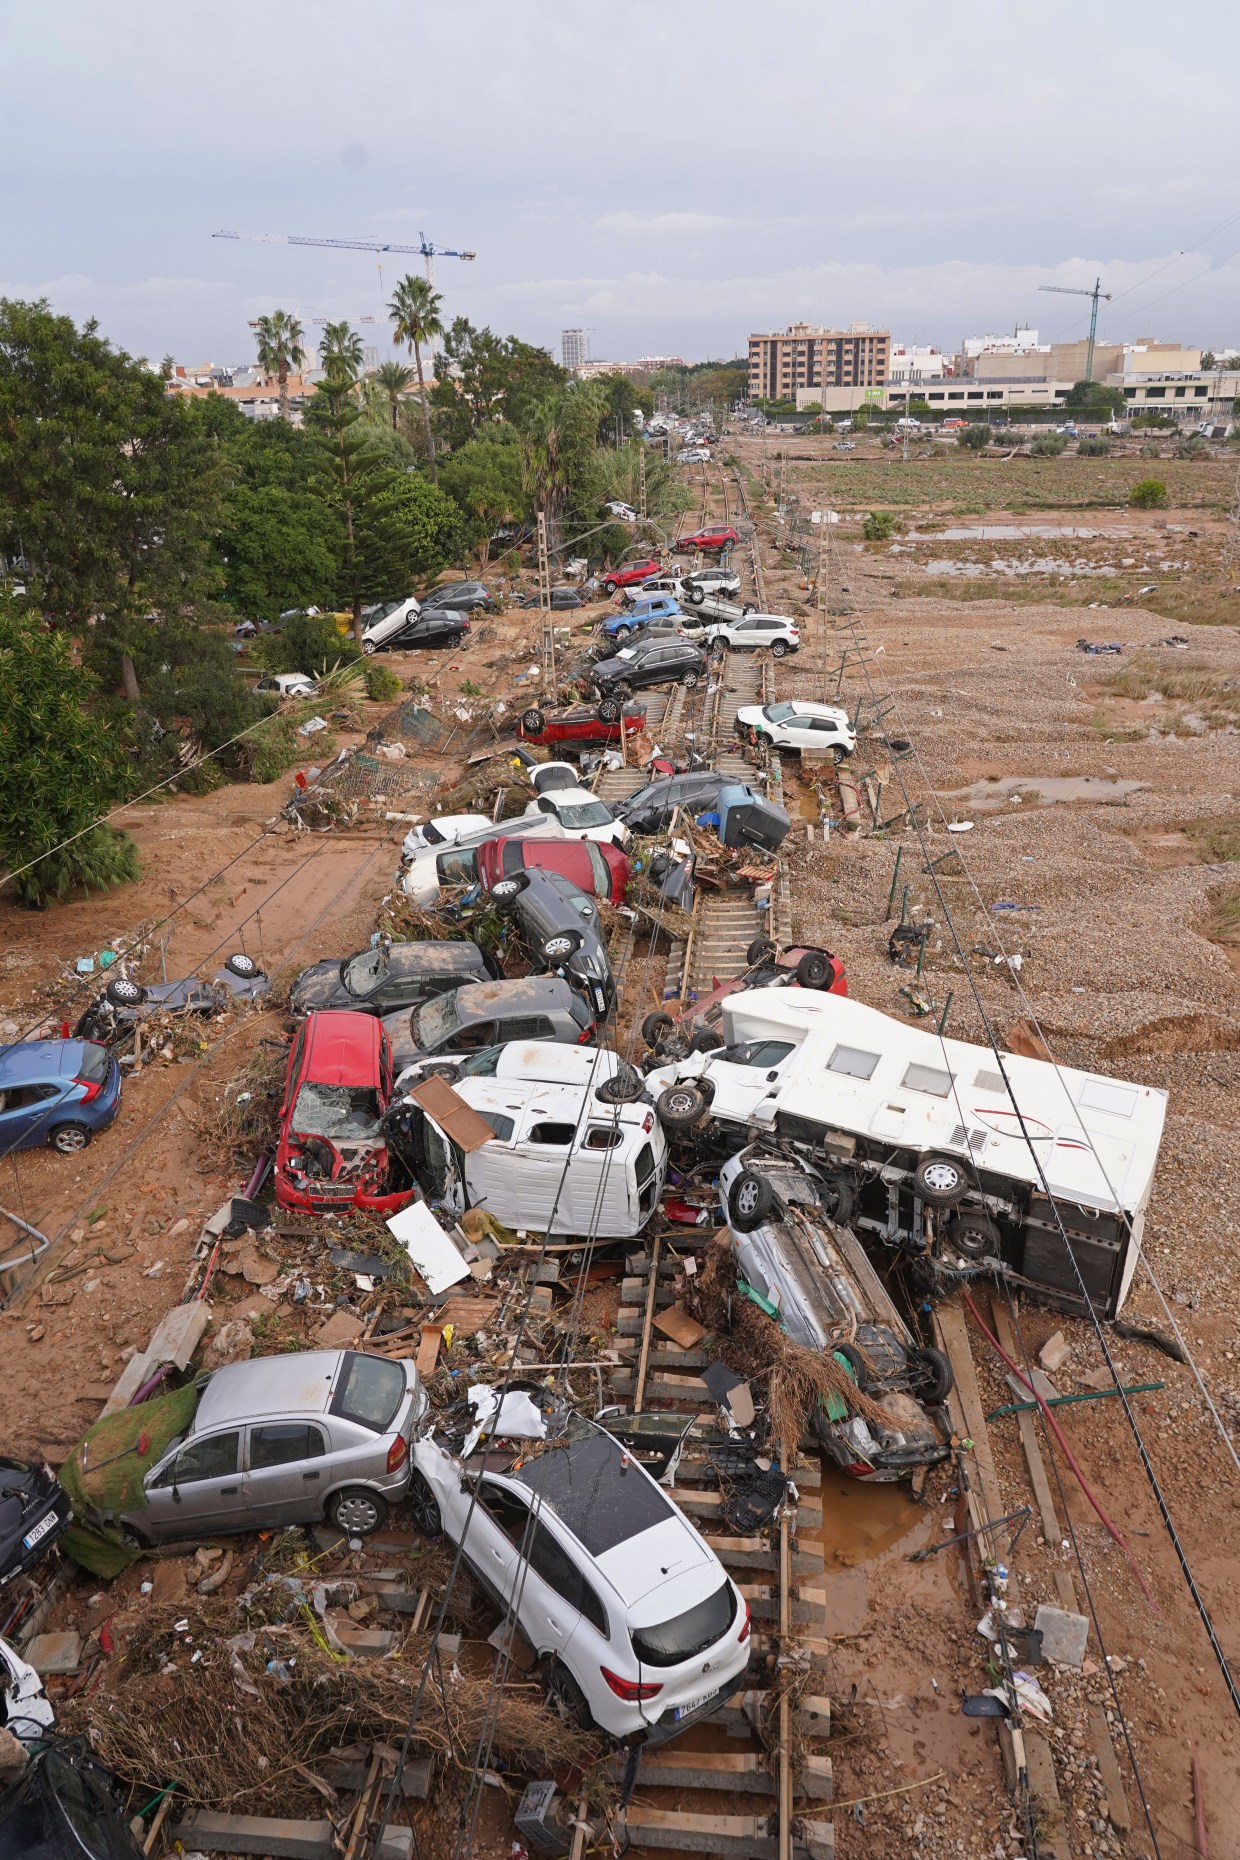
{"x": 670, "y": 174}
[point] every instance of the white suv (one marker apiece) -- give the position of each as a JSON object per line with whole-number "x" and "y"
{"x": 755, "y": 632}
{"x": 789, "y": 725}
{"x": 638, "y": 1625}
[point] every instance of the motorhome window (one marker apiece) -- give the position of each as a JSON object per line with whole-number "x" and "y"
{"x": 560, "y": 1134}
{"x": 852, "y": 1061}
{"x": 603, "y": 1137}
{"x": 501, "y": 1125}
{"x": 1104, "y": 1095}
{"x": 929, "y": 1079}
{"x": 643, "y": 1168}
{"x": 989, "y": 1081}
{"x": 767, "y": 1053}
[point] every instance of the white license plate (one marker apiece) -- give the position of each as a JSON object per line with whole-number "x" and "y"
{"x": 40, "y": 1530}
{"x": 687, "y": 1711}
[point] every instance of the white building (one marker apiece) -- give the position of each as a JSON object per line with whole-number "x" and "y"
{"x": 574, "y": 347}
{"x": 1022, "y": 341}
{"x": 912, "y": 363}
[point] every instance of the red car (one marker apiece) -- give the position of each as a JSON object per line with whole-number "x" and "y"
{"x": 584, "y": 723}
{"x": 628, "y": 573}
{"x": 594, "y": 866}
{"x": 798, "y": 966}
{"x": 705, "y": 540}
{"x": 332, "y": 1156}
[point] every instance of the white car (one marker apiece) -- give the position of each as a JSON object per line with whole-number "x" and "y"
{"x": 625, "y": 513}
{"x": 581, "y": 814}
{"x": 711, "y": 604}
{"x": 384, "y": 622}
{"x": 448, "y": 830}
{"x": 636, "y": 1623}
{"x": 28, "y": 1711}
{"x": 755, "y": 632}
{"x": 286, "y": 685}
{"x": 797, "y": 725}
{"x": 714, "y": 580}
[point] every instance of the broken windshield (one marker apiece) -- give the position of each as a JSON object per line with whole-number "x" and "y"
{"x": 592, "y": 1486}
{"x": 362, "y": 974}
{"x": 339, "y": 1112}
{"x": 780, "y": 713}
{"x": 434, "y": 1021}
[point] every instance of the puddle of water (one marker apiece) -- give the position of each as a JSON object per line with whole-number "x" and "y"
{"x": 1041, "y": 565}
{"x": 860, "y": 1521}
{"x": 1003, "y": 532}
{"x": 1044, "y": 788}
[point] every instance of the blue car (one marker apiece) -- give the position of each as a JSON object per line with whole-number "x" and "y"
{"x": 56, "y": 1091}
{"x": 656, "y": 607}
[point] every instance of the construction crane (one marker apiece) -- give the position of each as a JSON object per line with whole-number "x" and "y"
{"x": 424, "y": 247}
{"x": 1069, "y": 290}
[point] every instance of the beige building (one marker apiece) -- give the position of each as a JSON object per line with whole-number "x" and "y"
{"x": 806, "y": 355}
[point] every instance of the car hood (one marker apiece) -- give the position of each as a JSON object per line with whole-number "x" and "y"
{"x": 662, "y": 1571}
{"x": 319, "y": 986}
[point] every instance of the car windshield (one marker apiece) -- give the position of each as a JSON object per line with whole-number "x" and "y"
{"x": 362, "y": 973}
{"x": 780, "y": 713}
{"x": 584, "y": 814}
{"x": 339, "y": 1112}
{"x": 384, "y": 612}
{"x": 370, "y": 1391}
{"x": 667, "y": 1643}
{"x": 584, "y": 1480}
{"x": 434, "y": 1021}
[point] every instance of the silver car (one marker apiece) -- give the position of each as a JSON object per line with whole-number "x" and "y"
{"x": 296, "y": 1439}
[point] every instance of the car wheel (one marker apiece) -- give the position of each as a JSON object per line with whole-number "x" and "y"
{"x": 930, "y": 1373}
{"x": 609, "y": 588}
{"x": 748, "y": 608}
{"x": 124, "y": 993}
{"x": 504, "y": 890}
{"x": 940, "y": 1180}
{"x": 838, "y": 755}
{"x": 241, "y": 964}
{"x": 369, "y": 647}
{"x": 689, "y": 680}
{"x": 759, "y": 951}
{"x": 623, "y": 633}
{"x": 424, "y": 1507}
{"x": 625, "y": 690}
{"x": 814, "y": 970}
{"x": 749, "y": 1201}
{"x": 533, "y": 723}
{"x": 357, "y": 1511}
{"x": 706, "y": 1041}
{"x": 446, "y": 1069}
{"x": 70, "y": 1138}
{"x": 850, "y": 1354}
{"x": 680, "y": 1107}
{"x": 778, "y": 648}
{"x": 697, "y": 596}
{"x": 134, "y": 1540}
{"x": 610, "y": 710}
{"x": 625, "y": 1088}
{"x": 656, "y": 1027}
{"x": 838, "y": 1197}
{"x": 559, "y": 948}
{"x": 566, "y": 1698}
{"x": 974, "y": 1236}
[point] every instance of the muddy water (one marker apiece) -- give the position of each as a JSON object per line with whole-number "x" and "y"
{"x": 861, "y": 1525}
{"x": 1043, "y": 789}
{"x": 1003, "y": 532}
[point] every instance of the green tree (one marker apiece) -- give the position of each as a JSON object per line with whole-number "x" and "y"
{"x": 558, "y": 441}
{"x": 61, "y": 768}
{"x": 1149, "y": 494}
{"x": 619, "y": 402}
{"x": 277, "y": 550}
{"x": 485, "y": 479}
{"x": 280, "y": 350}
{"x": 341, "y": 347}
{"x": 109, "y": 490}
{"x": 1094, "y": 398}
{"x": 488, "y": 379}
{"x": 975, "y": 436}
{"x": 1208, "y": 359}
{"x": 878, "y": 526}
{"x": 414, "y": 311}
{"x": 394, "y": 378}
{"x": 309, "y": 643}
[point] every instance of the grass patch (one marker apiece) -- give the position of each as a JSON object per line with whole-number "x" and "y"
{"x": 1194, "y": 607}
{"x": 952, "y": 480}
{"x": 1114, "y": 733}
{"x": 1224, "y": 921}
{"x": 1186, "y": 683}
{"x": 1217, "y": 841}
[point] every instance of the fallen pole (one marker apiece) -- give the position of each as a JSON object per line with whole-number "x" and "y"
{"x": 1064, "y": 1401}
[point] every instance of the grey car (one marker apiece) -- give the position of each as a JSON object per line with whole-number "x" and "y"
{"x": 295, "y": 1439}
{"x": 387, "y": 977}
{"x": 560, "y": 930}
{"x": 532, "y": 1007}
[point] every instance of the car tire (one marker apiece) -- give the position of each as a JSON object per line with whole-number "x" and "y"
{"x": 747, "y": 608}
{"x": 70, "y": 1139}
{"x": 625, "y": 690}
{"x": 623, "y": 633}
{"x": 656, "y": 1027}
{"x": 610, "y": 710}
{"x": 689, "y": 680}
{"x": 121, "y": 992}
{"x": 241, "y": 964}
{"x": 706, "y": 1041}
{"x": 856, "y": 1362}
{"x": 779, "y": 648}
{"x": 838, "y": 1197}
{"x": 839, "y": 755}
{"x": 941, "y": 1180}
{"x": 533, "y": 722}
{"x": 974, "y": 1235}
{"x": 696, "y": 596}
{"x": 814, "y": 970}
{"x": 566, "y": 1699}
{"x": 759, "y": 950}
{"x": 625, "y": 1088}
{"x": 930, "y": 1373}
{"x": 446, "y": 1069}
{"x": 357, "y": 1511}
{"x": 505, "y": 890}
{"x": 750, "y": 1200}
{"x": 369, "y": 648}
{"x": 424, "y": 1507}
{"x": 609, "y": 588}
{"x": 559, "y": 948}
{"x": 681, "y": 1107}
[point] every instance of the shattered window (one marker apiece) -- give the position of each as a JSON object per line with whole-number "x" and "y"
{"x": 582, "y": 1481}
{"x": 339, "y": 1112}
{"x": 363, "y": 973}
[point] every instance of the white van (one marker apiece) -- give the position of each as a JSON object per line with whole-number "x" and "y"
{"x": 560, "y": 1160}
{"x": 433, "y": 866}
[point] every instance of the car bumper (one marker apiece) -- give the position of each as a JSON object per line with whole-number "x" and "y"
{"x": 24, "y": 1555}
{"x": 105, "y": 1107}
{"x": 319, "y": 1201}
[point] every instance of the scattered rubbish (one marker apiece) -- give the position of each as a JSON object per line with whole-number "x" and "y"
{"x": 1095, "y": 647}
{"x": 312, "y": 726}
{"x": 960, "y": 826}
{"x": 1065, "y": 1635}
{"x": 430, "y": 1250}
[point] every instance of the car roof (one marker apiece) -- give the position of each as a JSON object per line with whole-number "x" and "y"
{"x": 338, "y": 1041}
{"x": 480, "y": 1000}
{"x": 551, "y": 1062}
{"x": 296, "y": 1382}
{"x": 573, "y": 795}
{"x": 444, "y": 958}
{"x": 30, "y": 1057}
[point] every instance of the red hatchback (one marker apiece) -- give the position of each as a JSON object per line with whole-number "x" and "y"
{"x": 594, "y": 866}
{"x": 583, "y": 723}
{"x": 332, "y": 1155}
{"x": 628, "y": 573}
{"x": 706, "y": 540}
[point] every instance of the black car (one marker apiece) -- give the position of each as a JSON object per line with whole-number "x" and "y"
{"x": 388, "y": 977}
{"x": 651, "y": 808}
{"x": 560, "y": 600}
{"x": 462, "y": 596}
{"x": 34, "y": 1512}
{"x": 486, "y": 1014}
{"x": 658, "y": 661}
{"x": 560, "y": 930}
{"x": 434, "y": 626}
{"x": 65, "y": 1806}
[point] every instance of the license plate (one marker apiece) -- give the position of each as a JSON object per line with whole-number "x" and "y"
{"x": 687, "y": 1711}
{"x": 40, "y": 1530}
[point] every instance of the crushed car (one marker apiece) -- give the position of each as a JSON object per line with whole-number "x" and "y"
{"x": 529, "y": 1007}
{"x": 696, "y": 1026}
{"x": 332, "y": 1155}
{"x": 587, "y": 724}
{"x": 389, "y": 978}
{"x": 124, "y": 1004}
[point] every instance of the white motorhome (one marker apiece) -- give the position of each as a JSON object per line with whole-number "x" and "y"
{"x": 560, "y": 1160}
{"x": 927, "y": 1144}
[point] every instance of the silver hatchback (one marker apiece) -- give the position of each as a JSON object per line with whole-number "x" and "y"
{"x": 296, "y": 1439}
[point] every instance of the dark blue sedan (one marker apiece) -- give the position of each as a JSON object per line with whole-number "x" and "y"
{"x": 56, "y": 1091}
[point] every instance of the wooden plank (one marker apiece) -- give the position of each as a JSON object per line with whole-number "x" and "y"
{"x": 1052, "y": 1830}
{"x": 784, "y": 1766}
{"x": 809, "y": 1511}
{"x": 954, "y": 1337}
{"x": 1028, "y": 1432}
{"x": 428, "y": 1349}
{"x": 1118, "y": 1811}
{"x": 643, "y": 1361}
{"x": 679, "y": 1326}
{"x": 276, "y": 1837}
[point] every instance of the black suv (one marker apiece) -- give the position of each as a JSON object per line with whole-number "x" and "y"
{"x": 389, "y": 977}
{"x": 657, "y": 661}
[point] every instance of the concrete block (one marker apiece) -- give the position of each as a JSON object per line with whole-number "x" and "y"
{"x": 1064, "y": 1635}
{"x": 372, "y": 1642}
{"x": 137, "y": 1370}
{"x": 55, "y": 1653}
{"x": 341, "y": 1328}
{"x": 541, "y": 1301}
{"x": 276, "y": 1837}
{"x": 178, "y": 1334}
{"x": 1054, "y": 1352}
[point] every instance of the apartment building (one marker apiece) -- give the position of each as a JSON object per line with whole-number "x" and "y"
{"x": 574, "y": 347}
{"x": 806, "y": 355}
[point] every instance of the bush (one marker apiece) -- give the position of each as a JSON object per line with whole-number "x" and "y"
{"x": 878, "y": 526}
{"x": 1099, "y": 448}
{"x": 1151, "y": 452}
{"x": 309, "y": 643}
{"x": 99, "y": 860}
{"x": 381, "y": 683}
{"x": 1150, "y": 494}
{"x": 974, "y": 437}
{"x": 1048, "y": 446}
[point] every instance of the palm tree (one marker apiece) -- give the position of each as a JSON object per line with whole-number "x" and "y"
{"x": 279, "y": 350}
{"x": 414, "y": 311}
{"x": 341, "y": 348}
{"x": 393, "y": 378}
